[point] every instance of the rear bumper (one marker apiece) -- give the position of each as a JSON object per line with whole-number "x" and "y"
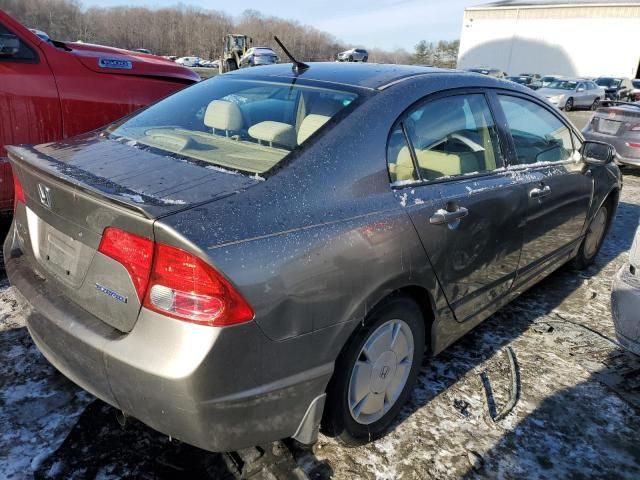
{"x": 218, "y": 389}
{"x": 625, "y": 305}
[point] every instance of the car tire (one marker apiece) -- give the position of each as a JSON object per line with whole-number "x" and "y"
{"x": 595, "y": 104}
{"x": 230, "y": 65}
{"x": 370, "y": 367}
{"x": 594, "y": 237}
{"x": 351, "y": 58}
{"x": 365, "y": 59}
{"x": 568, "y": 106}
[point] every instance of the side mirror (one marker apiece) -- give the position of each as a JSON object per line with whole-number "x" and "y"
{"x": 9, "y": 45}
{"x": 597, "y": 153}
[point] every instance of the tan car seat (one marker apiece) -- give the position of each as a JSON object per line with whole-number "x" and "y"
{"x": 223, "y": 115}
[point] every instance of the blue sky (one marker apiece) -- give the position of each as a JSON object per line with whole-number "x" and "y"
{"x": 375, "y": 23}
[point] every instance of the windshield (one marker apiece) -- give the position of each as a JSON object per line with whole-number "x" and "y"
{"x": 242, "y": 125}
{"x": 636, "y": 83}
{"x": 608, "y": 82}
{"x": 563, "y": 85}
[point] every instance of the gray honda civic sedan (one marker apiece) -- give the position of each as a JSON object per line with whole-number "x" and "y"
{"x": 273, "y": 251}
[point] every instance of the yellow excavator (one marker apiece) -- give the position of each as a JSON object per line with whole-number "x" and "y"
{"x": 235, "y": 46}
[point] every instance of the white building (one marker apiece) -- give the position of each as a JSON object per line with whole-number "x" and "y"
{"x": 586, "y": 38}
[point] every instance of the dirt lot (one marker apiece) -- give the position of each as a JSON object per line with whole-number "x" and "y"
{"x": 576, "y": 416}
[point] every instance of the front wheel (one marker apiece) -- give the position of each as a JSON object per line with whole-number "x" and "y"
{"x": 375, "y": 373}
{"x": 593, "y": 238}
{"x": 569, "y": 105}
{"x": 365, "y": 59}
{"x": 595, "y": 104}
{"x": 351, "y": 58}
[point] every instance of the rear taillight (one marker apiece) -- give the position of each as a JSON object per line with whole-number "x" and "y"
{"x": 636, "y": 127}
{"x": 633, "y": 144}
{"x": 18, "y": 192}
{"x": 174, "y": 282}
{"x": 185, "y": 287}
{"x": 133, "y": 252}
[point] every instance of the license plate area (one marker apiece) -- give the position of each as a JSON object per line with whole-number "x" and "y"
{"x": 610, "y": 127}
{"x": 58, "y": 253}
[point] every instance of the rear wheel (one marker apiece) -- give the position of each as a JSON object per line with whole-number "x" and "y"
{"x": 365, "y": 59}
{"x": 569, "y": 105}
{"x": 375, "y": 373}
{"x": 595, "y": 104}
{"x": 593, "y": 238}
{"x": 351, "y": 58}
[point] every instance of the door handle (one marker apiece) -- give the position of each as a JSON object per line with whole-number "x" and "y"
{"x": 443, "y": 216}
{"x": 540, "y": 192}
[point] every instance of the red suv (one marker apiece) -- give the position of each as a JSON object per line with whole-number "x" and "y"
{"x": 51, "y": 90}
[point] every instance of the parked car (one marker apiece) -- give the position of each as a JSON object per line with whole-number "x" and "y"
{"x": 51, "y": 90}
{"x": 43, "y": 35}
{"x": 616, "y": 88}
{"x": 635, "y": 93}
{"x": 354, "y": 55}
{"x": 256, "y": 56}
{"x": 209, "y": 63}
{"x": 491, "y": 72}
{"x": 618, "y": 125}
{"x": 625, "y": 300}
{"x": 188, "y": 61}
{"x": 544, "y": 81}
{"x": 569, "y": 94}
{"x": 522, "y": 80}
{"x": 533, "y": 76}
{"x": 209, "y": 286}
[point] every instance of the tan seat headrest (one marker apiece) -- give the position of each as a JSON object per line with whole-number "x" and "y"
{"x": 309, "y": 125}
{"x": 274, "y": 132}
{"x": 223, "y": 115}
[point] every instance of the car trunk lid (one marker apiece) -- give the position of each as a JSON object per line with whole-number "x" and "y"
{"x": 615, "y": 120}
{"x": 73, "y": 191}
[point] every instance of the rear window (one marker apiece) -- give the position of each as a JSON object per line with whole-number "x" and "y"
{"x": 242, "y": 125}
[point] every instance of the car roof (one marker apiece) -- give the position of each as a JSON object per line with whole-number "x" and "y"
{"x": 364, "y": 75}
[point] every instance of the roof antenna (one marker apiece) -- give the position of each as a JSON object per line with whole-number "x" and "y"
{"x": 298, "y": 67}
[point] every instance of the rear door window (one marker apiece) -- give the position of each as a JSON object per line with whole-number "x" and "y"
{"x": 539, "y": 135}
{"x": 446, "y": 137}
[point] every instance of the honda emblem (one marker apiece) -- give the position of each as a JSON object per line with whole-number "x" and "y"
{"x": 44, "y": 193}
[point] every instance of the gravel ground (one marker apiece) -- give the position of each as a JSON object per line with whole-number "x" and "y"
{"x": 576, "y": 415}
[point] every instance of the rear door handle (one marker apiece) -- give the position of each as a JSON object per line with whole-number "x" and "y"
{"x": 443, "y": 216}
{"x": 540, "y": 192}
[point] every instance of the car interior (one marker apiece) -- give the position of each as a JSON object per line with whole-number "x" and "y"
{"x": 248, "y": 130}
{"x": 450, "y": 137}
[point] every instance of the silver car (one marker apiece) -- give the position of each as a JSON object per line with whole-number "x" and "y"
{"x": 625, "y": 300}
{"x": 569, "y": 94}
{"x": 353, "y": 55}
{"x": 256, "y": 56}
